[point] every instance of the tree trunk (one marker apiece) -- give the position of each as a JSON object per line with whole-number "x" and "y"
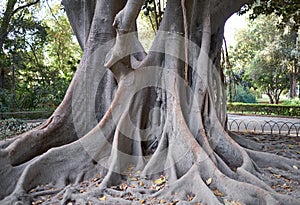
{"x": 229, "y": 68}
{"x": 293, "y": 84}
{"x": 13, "y": 88}
{"x": 132, "y": 117}
{"x": 271, "y": 100}
{"x": 2, "y": 78}
{"x": 5, "y": 22}
{"x": 295, "y": 71}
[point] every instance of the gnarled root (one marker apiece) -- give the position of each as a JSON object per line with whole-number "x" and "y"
{"x": 110, "y": 165}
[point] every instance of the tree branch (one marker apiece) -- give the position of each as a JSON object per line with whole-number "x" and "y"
{"x": 6, "y": 19}
{"x": 25, "y": 6}
{"x": 124, "y": 24}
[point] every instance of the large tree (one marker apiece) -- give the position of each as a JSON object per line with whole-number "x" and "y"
{"x": 130, "y": 115}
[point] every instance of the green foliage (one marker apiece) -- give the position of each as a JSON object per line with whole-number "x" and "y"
{"x": 293, "y": 102}
{"x": 244, "y": 95}
{"x": 40, "y": 47}
{"x": 5, "y": 100}
{"x": 287, "y": 10}
{"x": 265, "y": 109}
{"x": 12, "y": 127}
{"x": 155, "y": 11}
{"x": 264, "y": 54}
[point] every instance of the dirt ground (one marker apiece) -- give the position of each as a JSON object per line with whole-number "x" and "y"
{"x": 282, "y": 182}
{"x": 287, "y": 146}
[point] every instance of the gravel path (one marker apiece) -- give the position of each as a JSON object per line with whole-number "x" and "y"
{"x": 263, "y": 118}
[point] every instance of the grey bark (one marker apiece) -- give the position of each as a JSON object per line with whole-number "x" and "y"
{"x": 150, "y": 124}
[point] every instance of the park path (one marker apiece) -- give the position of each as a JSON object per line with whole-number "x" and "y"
{"x": 263, "y": 118}
{"x": 254, "y": 123}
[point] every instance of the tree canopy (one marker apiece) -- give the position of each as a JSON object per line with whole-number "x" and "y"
{"x": 264, "y": 54}
{"x": 38, "y": 57}
{"x": 287, "y": 10}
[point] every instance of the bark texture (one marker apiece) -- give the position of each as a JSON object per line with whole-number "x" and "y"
{"x": 130, "y": 116}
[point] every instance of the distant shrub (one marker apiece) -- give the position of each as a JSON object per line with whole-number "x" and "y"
{"x": 293, "y": 102}
{"x": 10, "y": 127}
{"x": 244, "y": 95}
{"x": 265, "y": 109}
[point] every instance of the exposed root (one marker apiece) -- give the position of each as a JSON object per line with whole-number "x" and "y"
{"x": 126, "y": 161}
{"x": 23, "y": 149}
{"x": 266, "y": 160}
{"x": 179, "y": 170}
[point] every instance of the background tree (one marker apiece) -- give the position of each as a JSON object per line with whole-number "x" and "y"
{"x": 17, "y": 26}
{"x": 61, "y": 55}
{"x": 264, "y": 53}
{"x": 288, "y": 12}
{"x": 12, "y": 8}
{"x": 41, "y": 49}
{"x": 130, "y": 115}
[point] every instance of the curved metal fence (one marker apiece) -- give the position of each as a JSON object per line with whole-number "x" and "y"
{"x": 265, "y": 127}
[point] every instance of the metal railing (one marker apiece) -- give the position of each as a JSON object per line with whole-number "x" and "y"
{"x": 34, "y": 114}
{"x": 265, "y": 127}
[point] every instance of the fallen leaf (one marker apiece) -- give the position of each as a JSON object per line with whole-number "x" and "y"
{"x": 142, "y": 201}
{"x": 138, "y": 172}
{"x": 175, "y": 202}
{"x": 208, "y": 181}
{"x": 123, "y": 186}
{"x": 295, "y": 167}
{"x": 298, "y": 152}
{"x": 130, "y": 169}
{"x": 37, "y": 202}
{"x": 96, "y": 179}
{"x": 226, "y": 202}
{"x": 102, "y": 198}
{"x": 285, "y": 186}
{"x": 277, "y": 175}
{"x": 190, "y": 197}
{"x": 162, "y": 201}
{"x": 160, "y": 181}
{"x": 218, "y": 193}
{"x": 141, "y": 184}
{"x": 291, "y": 146}
{"x": 133, "y": 179}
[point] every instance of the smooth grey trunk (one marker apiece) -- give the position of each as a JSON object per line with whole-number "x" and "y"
{"x": 130, "y": 114}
